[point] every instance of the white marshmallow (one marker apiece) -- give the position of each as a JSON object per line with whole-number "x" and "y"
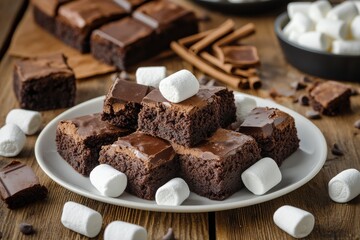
{"x": 12, "y": 140}
{"x": 300, "y": 23}
{"x": 108, "y": 181}
{"x": 172, "y": 193}
{"x": 318, "y": 10}
{"x": 295, "y": 221}
{"x": 150, "y": 76}
{"x": 124, "y": 231}
{"x": 346, "y": 47}
{"x": 345, "y": 11}
{"x": 179, "y": 86}
{"x": 345, "y": 186}
{"x": 295, "y": 7}
{"x": 336, "y": 29}
{"x": 81, "y": 219}
{"x": 357, "y": 4}
{"x": 261, "y": 176}
{"x": 355, "y": 28}
{"x": 244, "y": 105}
{"x": 315, "y": 40}
{"x": 294, "y": 36}
{"x": 28, "y": 121}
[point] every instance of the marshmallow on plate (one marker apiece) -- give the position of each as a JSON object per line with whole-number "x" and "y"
{"x": 261, "y": 176}
{"x": 150, "y": 76}
{"x": 314, "y": 40}
{"x": 172, "y": 193}
{"x": 124, "y": 231}
{"x": 319, "y": 9}
{"x": 300, "y": 23}
{"x": 179, "y": 86}
{"x": 81, "y": 219}
{"x": 355, "y": 27}
{"x": 244, "y": 105}
{"x": 336, "y": 29}
{"x": 345, "y": 186}
{"x": 345, "y": 11}
{"x": 28, "y": 121}
{"x": 346, "y": 47}
{"x": 296, "y": 7}
{"x": 12, "y": 140}
{"x": 295, "y": 221}
{"x": 108, "y": 181}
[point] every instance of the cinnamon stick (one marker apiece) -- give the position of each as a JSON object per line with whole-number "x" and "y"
{"x": 245, "y": 72}
{"x": 194, "y": 38}
{"x": 255, "y": 82}
{"x": 215, "y": 61}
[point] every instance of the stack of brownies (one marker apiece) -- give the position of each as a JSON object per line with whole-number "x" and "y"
{"x": 187, "y": 139}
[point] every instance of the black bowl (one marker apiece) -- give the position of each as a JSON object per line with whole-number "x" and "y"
{"x": 317, "y": 63}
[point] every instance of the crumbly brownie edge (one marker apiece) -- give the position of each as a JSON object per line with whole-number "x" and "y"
{"x": 124, "y": 118}
{"x": 227, "y": 110}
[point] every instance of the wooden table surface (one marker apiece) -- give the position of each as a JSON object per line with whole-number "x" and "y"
{"x": 333, "y": 221}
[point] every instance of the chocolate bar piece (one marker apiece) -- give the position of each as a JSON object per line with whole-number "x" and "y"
{"x": 20, "y": 186}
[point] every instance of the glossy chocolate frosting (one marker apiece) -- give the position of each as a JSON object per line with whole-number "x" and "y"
{"x": 129, "y": 5}
{"x": 326, "y": 92}
{"x": 49, "y": 7}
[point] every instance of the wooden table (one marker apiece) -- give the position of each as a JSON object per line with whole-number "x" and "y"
{"x": 333, "y": 221}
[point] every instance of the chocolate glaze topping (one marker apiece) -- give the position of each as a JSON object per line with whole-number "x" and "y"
{"x": 129, "y": 5}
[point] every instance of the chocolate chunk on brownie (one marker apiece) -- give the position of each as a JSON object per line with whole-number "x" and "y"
{"x": 76, "y": 20}
{"x": 44, "y": 83}
{"x": 79, "y": 140}
{"x": 274, "y": 131}
{"x": 213, "y": 168}
{"x": 147, "y": 161}
{"x": 185, "y": 123}
{"x": 330, "y": 98}
{"x": 123, "y": 103}
{"x": 20, "y": 186}
{"x": 130, "y": 5}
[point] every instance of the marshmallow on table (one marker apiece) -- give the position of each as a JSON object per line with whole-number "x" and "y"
{"x": 300, "y": 23}
{"x": 345, "y": 11}
{"x": 244, "y": 105}
{"x": 12, "y": 140}
{"x": 336, "y": 29}
{"x": 28, "y": 121}
{"x": 345, "y": 186}
{"x": 261, "y": 176}
{"x": 150, "y": 76}
{"x": 295, "y": 7}
{"x": 81, "y": 219}
{"x": 124, "y": 231}
{"x": 172, "y": 193}
{"x": 295, "y": 221}
{"x": 108, "y": 181}
{"x": 179, "y": 86}
{"x": 315, "y": 40}
{"x": 355, "y": 27}
{"x": 319, "y": 9}
{"x": 346, "y": 47}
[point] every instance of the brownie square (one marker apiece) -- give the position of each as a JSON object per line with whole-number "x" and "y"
{"x": 20, "y": 186}
{"x": 130, "y": 5}
{"x": 123, "y": 43}
{"x": 185, "y": 123}
{"x": 76, "y": 20}
{"x": 274, "y": 131}
{"x": 123, "y": 103}
{"x": 330, "y": 98}
{"x": 213, "y": 168}
{"x": 147, "y": 161}
{"x": 79, "y": 140}
{"x": 44, "y": 83}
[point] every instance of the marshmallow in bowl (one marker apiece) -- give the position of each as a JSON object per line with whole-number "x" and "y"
{"x": 172, "y": 193}
{"x": 12, "y": 140}
{"x": 296, "y": 7}
{"x": 150, "y": 76}
{"x": 315, "y": 40}
{"x": 300, "y": 23}
{"x": 336, "y": 29}
{"x": 355, "y": 27}
{"x": 124, "y": 231}
{"x": 346, "y": 47}
{"x": 345, "y": 186}
{"x": 28, "y": 121}
{"x": 345, "y": 11}
{"x": 318, "y": 10}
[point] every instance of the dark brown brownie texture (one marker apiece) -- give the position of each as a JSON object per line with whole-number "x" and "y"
{"x": 213, "y": 168}
{"x": 79, "y": 140}
{"x": 147, "y": 161}
{"x": 274, "y": 131}
{"x": 186, "y": 123}
{"x": 330, "y": 98}
{"x": 44, "y": 83}
{"x": 76, "y": 20}
{"x": 123, "y": 103}
{"x": 20, "y": 186}
{"x": 124, "y": 42}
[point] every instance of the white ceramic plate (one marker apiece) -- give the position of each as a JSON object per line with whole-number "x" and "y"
{"x": 297, "y": 170}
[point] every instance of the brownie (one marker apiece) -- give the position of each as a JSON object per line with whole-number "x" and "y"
{"x": 76, "y": 20}
{"x": 185, "y": 123}
{"x": 20, "y": 186}
{"x": 124, "y": 42}
{"x": 274, "y": 131}
{"x": 130, "y": 5}
{"x": 213, "y": 168}
{"x": 44, "y": 83}
{"x": 330, "y": 98}
{"x": 79, "y": 140}
{"x": 147, "y": 161}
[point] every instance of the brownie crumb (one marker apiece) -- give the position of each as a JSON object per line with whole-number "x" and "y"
{"x": 169, "y": 235}
{"x": 357, "y": 124}
{"x": 313, "y": 114}
{"x": 298, "y": 85}
{"x": 26, "y": 228}
{"x": 335, "y": 150}
{"x": 304, "y": 100}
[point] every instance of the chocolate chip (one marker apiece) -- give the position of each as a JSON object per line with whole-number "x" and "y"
{"x": 169, "y": 235}
{"x": 26, "y": 228}
{"x": 313, "y": 114}
{"x": 304, "y": 100}
{"x": 335, "y": 150}
{"x": 357, "y": 124}
{"x": 298, "y": 85}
